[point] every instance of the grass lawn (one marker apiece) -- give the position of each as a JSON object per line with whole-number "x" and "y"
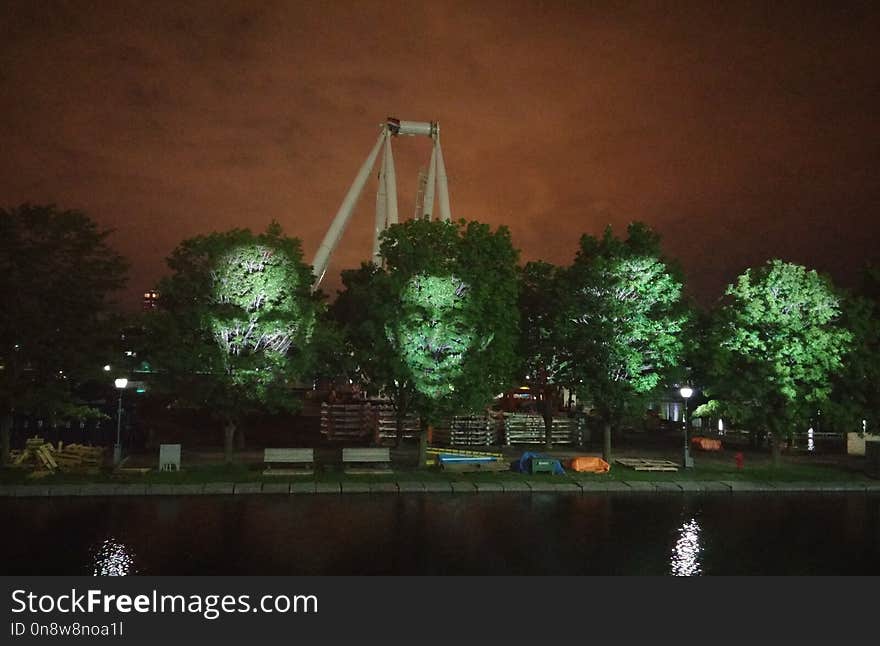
{"x": 705, "y": 469}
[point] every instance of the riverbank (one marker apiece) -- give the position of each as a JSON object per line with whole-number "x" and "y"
{"x": 205, "y": 474}
{"x": 463, "y": 486}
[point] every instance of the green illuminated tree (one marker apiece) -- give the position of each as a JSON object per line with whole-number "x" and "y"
{"x": 437, "y": 329}
{"x": 233, "y": 332}
{"x": 622, "y": 322}
{"x": 57, "y": 274}
{"x": 777, "y": 341}
{"x": 542, "y": 295}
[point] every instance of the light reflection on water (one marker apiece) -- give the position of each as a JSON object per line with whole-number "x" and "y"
{"x": 112, "y": 558}
{"x": 437, "y": 534}
{"x": 685, "y": 560}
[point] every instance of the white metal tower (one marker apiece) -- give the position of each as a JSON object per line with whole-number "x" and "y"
{"x": 386, "y": 195}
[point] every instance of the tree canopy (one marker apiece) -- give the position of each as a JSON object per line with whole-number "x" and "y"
{"x": 233, "y": 331}
{"x": 622, "y": 321}
{"x": 777, "y": 340}
{"x": 437, "y": 328}
{"x": 543, "y": 293}
{"x": 57, "y": 276}
{"x": 854, "y": 403}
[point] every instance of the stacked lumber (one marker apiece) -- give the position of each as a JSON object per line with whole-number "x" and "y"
{"x": 388, "y": 424}
{"x": 646, "y": 464}
{"x": 474, "y": 430}
{"x": 79, "y": 458}
{"x": 347, "y": 422}
{"x": 42, "y": 458}
{"x": 528, "y": 428}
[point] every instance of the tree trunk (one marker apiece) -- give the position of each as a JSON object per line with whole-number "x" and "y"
{"x": 398, "y": 430}
{"x": 547, "y": 413}
{"x": 228, "y": 441}
{"x": 606, "y": 441}
{"x": 5, "y": 434}
{"x": 240, "y": 440}
{"x": 423, "y": 443}
{"x": 776, "y": 449}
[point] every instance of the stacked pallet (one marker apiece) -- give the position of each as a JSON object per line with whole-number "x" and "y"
{"x": 647, "y": 464}
{"x": 347, "y": 422}
{"x": 42, "y": 458}
{"x": 475, "y": 430}
{"x": 388, "y": 424}
{"x": 79, "y": 458}
{"x": 528, "y": 428}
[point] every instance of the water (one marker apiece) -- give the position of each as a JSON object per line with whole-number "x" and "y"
{"x": 444, "y": 534}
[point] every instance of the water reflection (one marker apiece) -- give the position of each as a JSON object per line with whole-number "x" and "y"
{"x": 685, "y": 559}
{"x": 112, "y": 558}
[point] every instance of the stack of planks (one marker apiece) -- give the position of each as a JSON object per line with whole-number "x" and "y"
{"x": 647, "y": 464}
{"x": 477, "y": 430}
{"x": 388, "y": 424}
{"x": 528, "y": 428}
{"x": 42, "y": 458}
{"x": 347, "y": 422}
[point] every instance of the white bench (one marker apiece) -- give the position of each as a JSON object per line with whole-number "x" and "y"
{"x": 378, "y": 458}
{"x": 303, "y": 458}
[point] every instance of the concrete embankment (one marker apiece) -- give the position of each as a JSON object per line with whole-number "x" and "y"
{"x": 433, "y": 486}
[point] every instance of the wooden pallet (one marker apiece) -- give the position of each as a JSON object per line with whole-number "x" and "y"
{"x": 645, "y": 464}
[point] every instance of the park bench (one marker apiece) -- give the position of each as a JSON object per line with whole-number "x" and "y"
{"x": 366, "y": 460}
{"x": 304, "y": 459}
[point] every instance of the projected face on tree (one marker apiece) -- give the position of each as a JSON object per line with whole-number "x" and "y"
{"x": 434, "y": 334}
{"x": 255, "y": 284}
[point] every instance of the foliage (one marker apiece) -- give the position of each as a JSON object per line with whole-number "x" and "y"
{"x": 625, "y": 317}
{"x": 854, "y": 404}
{"x": 623, "y": 320}
{"x": 456, "y": 291}
{"x": 542, "y": 292}
{"x": 436, "y": 329}
{"x": 57, "y": 274}
{"x": 233, "y": 330}
{"x": 542, "y": 342}
{"x": 777, "y": 342}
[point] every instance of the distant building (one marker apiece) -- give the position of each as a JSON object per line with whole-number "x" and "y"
{"x": 151, "y": 299}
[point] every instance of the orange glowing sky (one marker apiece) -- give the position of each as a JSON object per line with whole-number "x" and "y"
{"x": 739, "y": 130}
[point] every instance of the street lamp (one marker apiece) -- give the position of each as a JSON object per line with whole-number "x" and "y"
{"x": 686, "y": 392}
{"x": 121, "y": 383}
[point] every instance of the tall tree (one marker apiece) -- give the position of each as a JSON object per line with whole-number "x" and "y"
{"x": 232, "y": 332}
{"x": 541, "y": 302}
{"x": 854, "y": 403}
{"x": 622, "y": 322}
{"x": 778, "y": 340}
{"x": 436, "y": 330}
{"x": 57, "y": 275}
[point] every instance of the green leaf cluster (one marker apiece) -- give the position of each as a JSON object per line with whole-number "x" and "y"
{"x": 437, "y": 328}
{"x": 622, "y": 320}
{"x": 57, "y": 278}
{"x": 776, "y": 342}
{"x": 237, "y": 315}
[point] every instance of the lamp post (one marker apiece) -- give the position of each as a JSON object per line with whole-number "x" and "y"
{"x": 121, "y": 383}
{"x": 686, "y": 392}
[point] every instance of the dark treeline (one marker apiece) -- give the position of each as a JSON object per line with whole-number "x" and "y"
{"x": 449, "y": 320}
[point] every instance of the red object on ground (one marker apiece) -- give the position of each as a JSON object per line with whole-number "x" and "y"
{"x": 739, "y": 460}
{"x": 705, "y": 443}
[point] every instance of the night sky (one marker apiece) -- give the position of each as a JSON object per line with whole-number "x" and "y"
{"x": 741, "y": 131}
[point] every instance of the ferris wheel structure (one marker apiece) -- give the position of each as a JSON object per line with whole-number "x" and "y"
{"x": 432, "y": 185}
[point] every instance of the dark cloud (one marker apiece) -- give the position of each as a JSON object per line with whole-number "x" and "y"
{"x": 739, "y": 130}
